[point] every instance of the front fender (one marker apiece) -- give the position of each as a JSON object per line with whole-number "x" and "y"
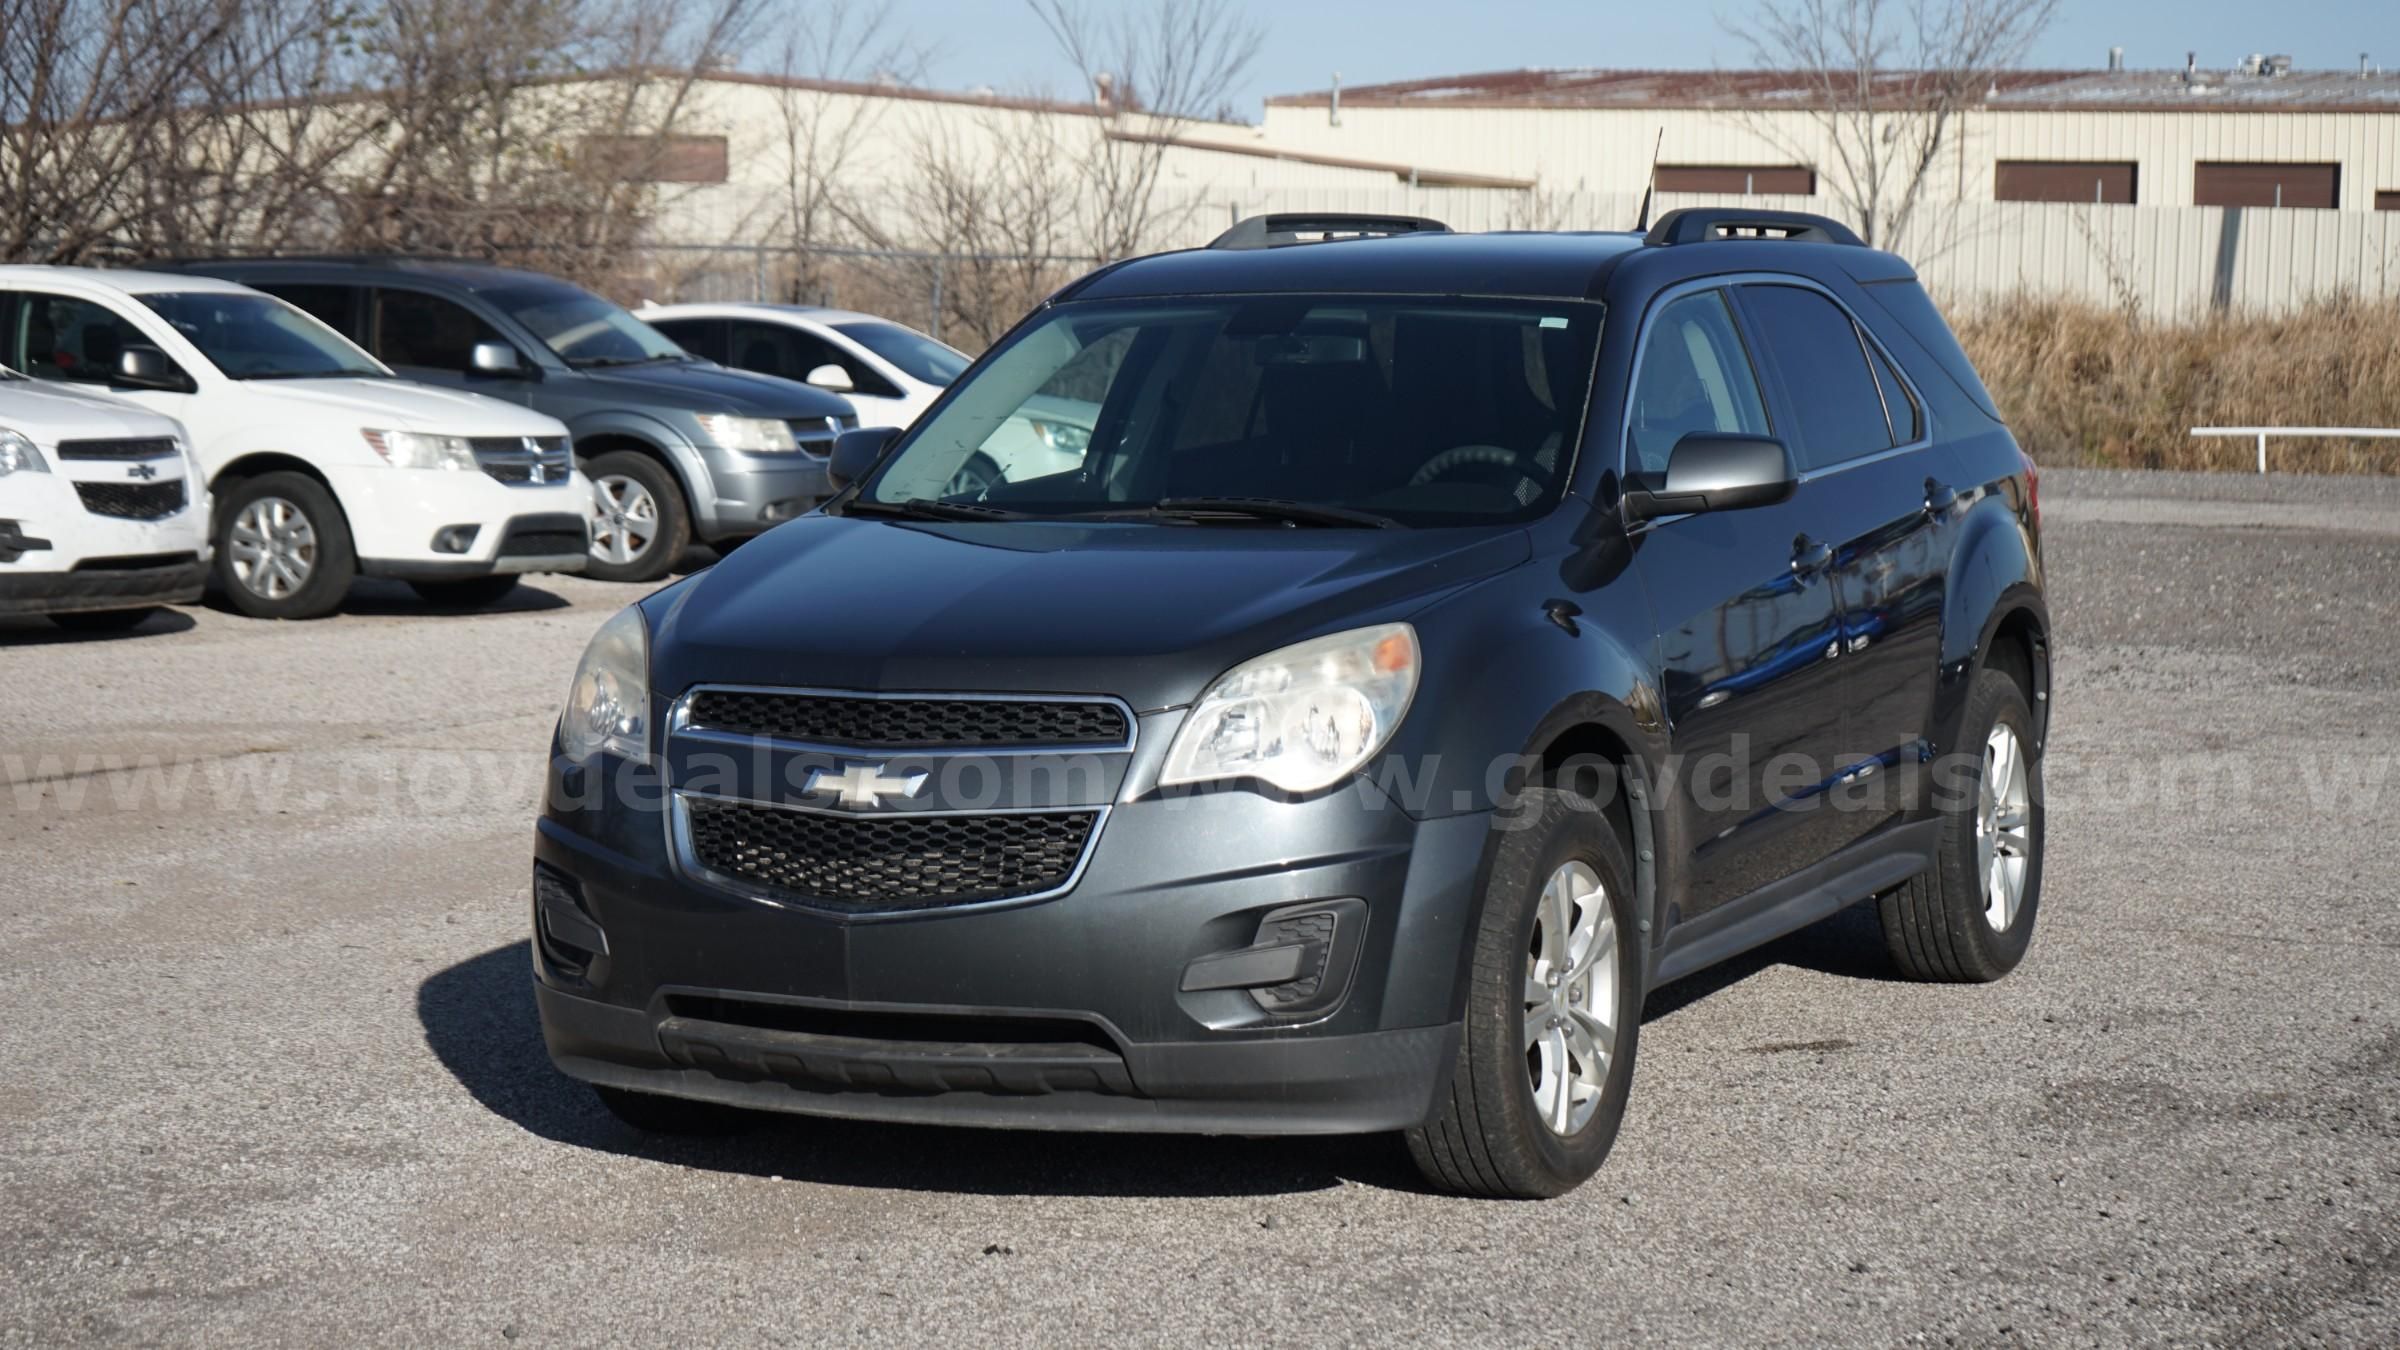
{"x": 690, "y": 469}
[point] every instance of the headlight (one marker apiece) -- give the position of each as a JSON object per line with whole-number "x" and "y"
{"x": 1062, "y": 436}
{"x": 1301, "y": 718}
{"x": 762, "y": 435}
{"x": 608, "y": 706}
{"x": 17, "y": 454}
{"x": 417, "y": 450}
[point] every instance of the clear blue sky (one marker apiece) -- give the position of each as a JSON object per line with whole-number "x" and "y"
{"x": 995, "y": 42}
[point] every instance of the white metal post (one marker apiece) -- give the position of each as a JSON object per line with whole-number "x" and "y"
{"x": 2262, "y": 454}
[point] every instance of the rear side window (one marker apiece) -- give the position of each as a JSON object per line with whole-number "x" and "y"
{"x": 1826, "y": 378}
{"x": 1695, "y": 376}
{"x": 1907, "y": 302}
{"x": 1900, "y": 406}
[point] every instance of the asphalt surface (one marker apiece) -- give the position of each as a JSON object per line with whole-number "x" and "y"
{"x": 269, "y": 1072}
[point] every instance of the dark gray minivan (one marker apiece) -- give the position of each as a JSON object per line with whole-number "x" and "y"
{"x": 677, "y": 448}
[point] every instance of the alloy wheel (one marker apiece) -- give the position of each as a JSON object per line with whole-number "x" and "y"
{"x": 2003, "y": 827}
{"x": 1571, "y": 997}
{"x": 624, "y": 519}
{"x": 274, "y": 548}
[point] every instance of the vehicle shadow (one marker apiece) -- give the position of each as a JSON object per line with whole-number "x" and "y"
{"x": 376, "y": 596}
{"x": 31, "y": 630}
{"x": 1848, "y": 944}
{"x": 480, "y": 1023}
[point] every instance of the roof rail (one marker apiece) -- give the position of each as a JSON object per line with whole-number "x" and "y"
{"x": 1305, "y": 227}
{"x": 1706, "y": 224}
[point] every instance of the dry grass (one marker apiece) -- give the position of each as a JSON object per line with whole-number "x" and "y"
{"x": 2083, "y": 384}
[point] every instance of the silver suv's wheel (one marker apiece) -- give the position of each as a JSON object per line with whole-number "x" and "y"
{"x": 640, "y": 525}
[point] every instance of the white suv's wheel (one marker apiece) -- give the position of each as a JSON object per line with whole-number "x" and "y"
{"x": 283, "y": 547}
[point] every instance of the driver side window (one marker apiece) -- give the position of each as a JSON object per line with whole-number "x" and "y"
{"x": 57, "y": 337}
{"x": 1695, "y": 376}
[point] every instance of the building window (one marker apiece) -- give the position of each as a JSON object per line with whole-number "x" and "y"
{"x": 2104, "y": 182}
{"x": 1757, "y": 180}
{"x": 2314, "y": 185}
{"x": 2387, "y": 201}
{"x": 660, "y": 159}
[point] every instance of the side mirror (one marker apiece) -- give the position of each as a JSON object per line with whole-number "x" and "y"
{"x": 832, "y": 377}
{"x": 149, "y": 368}
{"x": 856, "y": 453}
{"x": 496, "y": 358}
{"x": 1712, "y": 471}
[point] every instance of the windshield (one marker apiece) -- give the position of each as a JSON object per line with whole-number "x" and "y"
{"x": 918, "y": 356}
{"x": 250, "y": 336}
{"x": 584, "y": 329}
{"x": 1425, "y": 411}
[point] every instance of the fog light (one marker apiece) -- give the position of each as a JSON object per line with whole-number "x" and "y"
{"x": 789, "y": 507}
{"x": 455, "y": 538}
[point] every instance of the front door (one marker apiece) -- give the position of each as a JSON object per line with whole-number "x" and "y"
{"x": 1750, "y": 632}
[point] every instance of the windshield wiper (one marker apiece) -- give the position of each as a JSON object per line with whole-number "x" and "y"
{"x": 1281, "y": 509}
{"x": 926, "y": 508}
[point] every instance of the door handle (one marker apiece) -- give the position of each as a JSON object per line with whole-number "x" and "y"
{"x": 1939, "y": 498}
{"x": 1810, "y": 556}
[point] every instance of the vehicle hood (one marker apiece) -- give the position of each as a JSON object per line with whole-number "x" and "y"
{"x": 1149, "y": 613}
{"x": 398, "y": 405}
{"x": 50, "y": 413}
{"x": 705, "y": 387}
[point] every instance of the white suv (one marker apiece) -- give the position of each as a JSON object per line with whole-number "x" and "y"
{"x": 322, "y": 464}
{"x": 99, "y": 520}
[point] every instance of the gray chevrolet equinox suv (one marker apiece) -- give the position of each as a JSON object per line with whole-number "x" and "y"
{"x": 677, "y": 448}
{"x": 1444, "y": 641}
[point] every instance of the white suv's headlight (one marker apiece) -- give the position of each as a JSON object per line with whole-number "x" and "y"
{"x": 1303, "y": 717}
{"x": 418, "y": 450}
{"x": 608, "y": 706}
{"x": 759, "y": 435}
{"x": 17, "y": 454}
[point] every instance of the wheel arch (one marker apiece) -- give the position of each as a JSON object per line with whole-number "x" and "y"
{"x": 1993, "y": 603}
{"x": 260, "y": 463}
{"x": 1589, "y": 744}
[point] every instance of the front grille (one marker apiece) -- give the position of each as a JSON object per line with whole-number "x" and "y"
{"x": 544, "y": 537}
{"x": 523, "y": 461}
{"x": 904, "y": 723}
{"x": 149, "y": 447}
{"x": 815, "y": 434}
{"x": 132, "y": 501}
{"x": 882, "y": 864}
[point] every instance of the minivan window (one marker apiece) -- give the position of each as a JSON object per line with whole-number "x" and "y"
{"x": 582, "y": 328}
{"x": 918, "y": 356}
{"x": 1817, "y": 350}
{"x": 1695, "y": 377}
{"x": 1428, "y": 411}
{"x": 416, "y": 329}
{"x": 250, "y": 336}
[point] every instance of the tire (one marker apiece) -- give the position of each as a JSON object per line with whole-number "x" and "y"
{"x": 1942, "y": 924}
{"x": 306, "y": 533}
{"x": 104, "y": 620}
{"x": 653, "y": 1114}
{"x": 1488, "y": 1135}
{"x": 466, "y": 592}
{"x": 979, "y": 475}
{"x": 647, "y": 492}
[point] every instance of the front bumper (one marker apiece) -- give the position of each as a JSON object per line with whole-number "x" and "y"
{"x": 107, "y": 586}
{"x": 88, "y": 561}
{"x": 750, "y": 494}
{"x": 395, "y": 516}
{"x": 881, "y": 1020}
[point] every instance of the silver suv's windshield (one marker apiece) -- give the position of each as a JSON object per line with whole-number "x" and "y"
{"x": 250, "y": 336}
{"x": 582, "y": 328}
{"x": 1371, "y": 409}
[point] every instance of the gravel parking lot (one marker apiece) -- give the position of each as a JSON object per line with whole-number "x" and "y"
{"x": 269, "y": 1071}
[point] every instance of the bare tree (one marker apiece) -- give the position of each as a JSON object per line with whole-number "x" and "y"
{"x": 837, "y": 56}
{"x": 1156, "y": 68}
{"x": 84, "y": 85}
{"x": 992, "y": 206}
{"x": 1885, "y": 85}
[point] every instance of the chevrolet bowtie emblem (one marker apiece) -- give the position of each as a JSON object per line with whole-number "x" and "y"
{"x": 861, "y": 784}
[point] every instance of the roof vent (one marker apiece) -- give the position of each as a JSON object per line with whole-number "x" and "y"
{"x": 2116, "y": 60}
{"x": 2366, "y": 70}
{"x": 2279, "y": 66}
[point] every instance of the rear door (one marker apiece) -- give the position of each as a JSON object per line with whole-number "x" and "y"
{"x": 1749, "y": 629}
{"x": 1880, "y": 490}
